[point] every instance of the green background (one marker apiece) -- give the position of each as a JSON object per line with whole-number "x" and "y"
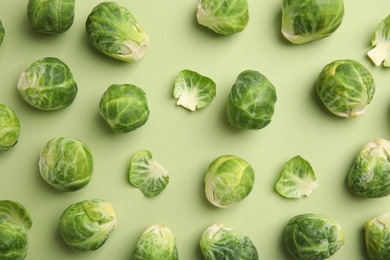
{"x": 186, "y": 142}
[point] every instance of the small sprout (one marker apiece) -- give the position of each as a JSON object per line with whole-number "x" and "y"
{"x": 305, "y": 21}
{"x": 66, "y": 164}
{"x": 147, "y": 175}
{"x": 251, "y": 101}
{"x": 15, "y": 212}
{"x": 228, "y": 181}
{"x": 297, "y": 179}
{"x": 369, "y": 175}
{"x": 47, "y": 84}
{"x": 381, "y": 43}
{"x": 346, "y": 88}
{"x": 51, "y": 16}
{"x": 9, "y": 128}
{"x": 2, "y": 32}
{"x": 124, "y": 107}
{"x": 223, "y": 16}
{"x": 113, "y": 30}
{"x": 313, "y": 236}
{"x": 193, "y": 90}
{"x": 377, "y": 233}
{"x": 157, "y": 242}
{"x": 221, "y": 242}
{"x": 86, "y": 225}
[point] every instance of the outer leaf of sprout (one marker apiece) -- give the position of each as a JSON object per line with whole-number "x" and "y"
{"x": 381, "y": 43}
{"x": 16, "y": 212}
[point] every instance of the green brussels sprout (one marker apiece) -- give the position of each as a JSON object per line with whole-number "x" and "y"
{"x": 221, "y": 242}
{"x": 113, "y": 30}
{"x": 193, "y": 90}
{"x": 51, "y": 16}
{"x": 228, "y": 181}
{"x": 2, "y": 32}
{"x": 313, "y": 236}
{"x": 377, "y": 237}
{"x": 15, "y": 212}
{"x": 251, "y": 101}
{"x": 147, "y": 175}
{"x": 223, "y": 16}
{"x": 346, "y": 88}
{"x": 297, "y": 179}
{"x": 86, "y": 225}
{"x": 381, "y": 43}
{"x": 305, "y": 21}
{"x": 369, "y": 175}
{"x": 47, "y": 84}
{"x": 124, "y": 107}
{"x": 157, "y": 242}
{"x": 66, "y": 164}
{"x": 9, "y": 128}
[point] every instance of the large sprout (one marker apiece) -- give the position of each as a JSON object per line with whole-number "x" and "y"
{"x": 381, "y": 43}
{"x": 47, "y": 84}
{"x": 113, "y": 30}
{"x": 251, "y": 101}
{"x": 9, "y": 128}
{"x": 346, "y": 88}
{"x": 51, "y": 16}
{"x": 2, "y": 32}
{"x": 66, "y": 163}
{"x": 86, "y": 225}
{"x": 229, "y": 180}
{"x": 377, "y": 237}
{"x": 223, "y": 16}
{"x": 305, "y": 21}
{"x": 156, "y": 242}
{"x": 221, "y": 242}
{"x": 313, "y": 236}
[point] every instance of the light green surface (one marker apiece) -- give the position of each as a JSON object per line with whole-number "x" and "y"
{"x": 186, "y": 142}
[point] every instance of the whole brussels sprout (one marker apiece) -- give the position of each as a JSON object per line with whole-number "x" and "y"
{"x": 9, "y": 128}
{"x": 124, "y": 107}
{"x": 313, "y": 236}
{"x": 251, "y": 101}
{"x": 66, "y": 164}
{"x": 47, "y": 84}
{"x": 113, "y": 30}
{"x": 369, "y": 175}
{"x": 55, "y": 16}
{"x": 346, "y": 88}
{"x": 228, "y": 181}
{"x": 305, "y": 21}
{"x": 86, "y": 225}
{"x": 377, "y": 237}
{"x": 2, "y": 32}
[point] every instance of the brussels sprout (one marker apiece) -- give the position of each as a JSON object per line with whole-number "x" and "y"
{"x": 193, "y": 90}
{"x": 9, "y": 128}
{"x": 297, "y": 179}
{"x": 157, "y": 242}
{"x": 223, "y": 16}
{"x": 369, "y": 175}
{"x": 305, "y": 21}
{"x": 251, "y": 101}
{"x": 86, "y": 225}
{"x": 51, "y": 16}
{"x": 381, "y": 43}
{"x": 2, "y": 32}
{"x": 228, "y": 181}
{"x": 221, "y": 242}
{"x": 113, "y": 30}
{"x": 66, "y": 164}
{"x": 124, "y": 107}
{"x": 47, "y": 84}
{"x": 377, "y": 237}
{"x": 16, "y": 212}
{"x": 312, "y": 236}
{"x": 346, "y": 88}
{"x": 147, "y": 175}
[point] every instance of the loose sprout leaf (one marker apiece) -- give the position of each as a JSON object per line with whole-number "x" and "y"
{"x": 377, "y": 237}
{"x": 14, "y": 211}
{"x": 297, "y": 179}
{"x": 193, "y": 90}
{"x": 381, "y": 43}
{"x": 9, "y": 128}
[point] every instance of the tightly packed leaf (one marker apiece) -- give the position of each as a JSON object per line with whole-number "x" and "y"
{"x": 381, "y": 43}
{"x": 9, "y": 128}
{"x": 377, "y": 237}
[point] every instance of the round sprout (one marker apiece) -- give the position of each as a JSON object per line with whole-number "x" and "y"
{"x": 346, "y": 88}
{"x": 377, "y": 233}
{"x": 47, "y": 84}
{"x": 124, "y": 107}
{"x": 87, "y": 225}
{"x": 9, "y": 128}
{"x": 66, "y": 164}
{"x": 2, "y": 32}
{"x": 228, "y": 181}
{"x": 51, "y": 16}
